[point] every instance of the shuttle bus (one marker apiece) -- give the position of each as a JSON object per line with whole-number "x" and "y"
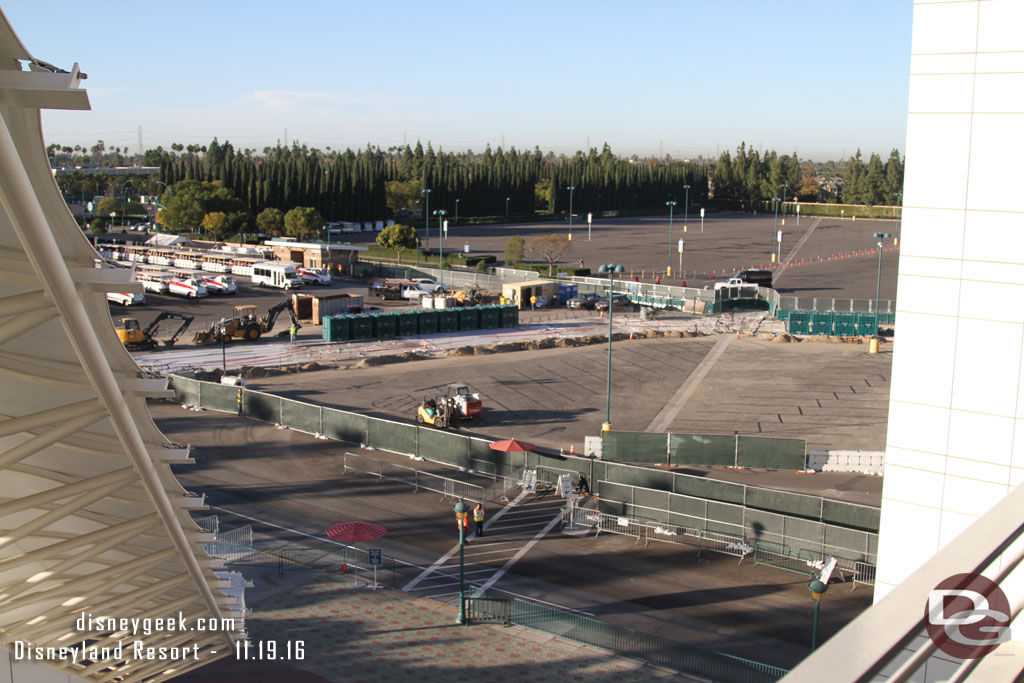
{"x": 276, "y": 274}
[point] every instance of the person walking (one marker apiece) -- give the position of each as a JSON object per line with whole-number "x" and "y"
{"x": 478, "y": 519}
{"x": 292, "y": 332}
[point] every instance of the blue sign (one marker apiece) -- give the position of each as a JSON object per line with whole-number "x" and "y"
{"x": 375, "y": 557}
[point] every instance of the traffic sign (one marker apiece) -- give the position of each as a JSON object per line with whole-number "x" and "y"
{"x": 375, "y": 557}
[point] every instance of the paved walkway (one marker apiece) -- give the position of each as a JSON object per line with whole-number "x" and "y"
{"x": 355, "y": 634}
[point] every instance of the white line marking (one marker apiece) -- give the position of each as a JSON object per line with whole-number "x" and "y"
{"x": 522, "y": 551}
{"x": 444, "y": 558}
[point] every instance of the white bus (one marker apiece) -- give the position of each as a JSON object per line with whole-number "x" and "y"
{"x": 276, "y": 274}
{"x": 153, "y": 279}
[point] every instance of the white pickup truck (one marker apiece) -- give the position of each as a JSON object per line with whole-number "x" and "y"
{"x": 731, "y": 282}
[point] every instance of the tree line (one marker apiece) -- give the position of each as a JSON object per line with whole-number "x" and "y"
{"x": 372, "y": 183}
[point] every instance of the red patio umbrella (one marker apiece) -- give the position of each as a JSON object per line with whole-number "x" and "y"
{"x": 512, "y": 445}
{"x": 356, "y": 531}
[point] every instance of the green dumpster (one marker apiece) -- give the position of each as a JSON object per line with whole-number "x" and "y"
{"x": 337, "y": 328}
{"x": 427, "y": 321}
{"x": 469, "y": 318}
{"x": 845, "y": 325}
{"x": 448, "y": 320}
{"x": 490, "y": 317}
{"x": 408, "y": 325}
{"x": 799, "y": 322}
{"x": 385, "y": 325}
{"x": 867, "y": 324}
{"x": 821, "y": 323}
{"x": 362, "y": 326}
{"x": 509, "y": 316}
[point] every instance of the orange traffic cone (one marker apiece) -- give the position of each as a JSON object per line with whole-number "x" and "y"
{"x": 572, "y": 449}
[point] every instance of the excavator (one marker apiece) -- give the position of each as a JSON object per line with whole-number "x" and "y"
{"x": 245, "y": 324}
{"x": 136, "y": 338}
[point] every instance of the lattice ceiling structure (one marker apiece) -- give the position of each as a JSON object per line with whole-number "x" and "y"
{"x": 91, "y": 517}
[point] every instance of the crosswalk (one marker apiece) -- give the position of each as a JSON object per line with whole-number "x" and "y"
{"x": 509, "y": 534}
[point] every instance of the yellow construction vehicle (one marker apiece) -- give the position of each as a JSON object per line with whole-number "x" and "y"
{"x": 440, "y": 412}
{"x": 136, "y": 338}
{"x": 245, "y": 324}
{"x": 470, "y": 296}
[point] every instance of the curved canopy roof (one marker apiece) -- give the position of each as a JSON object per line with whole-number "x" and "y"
{"x": 91, "y": 517}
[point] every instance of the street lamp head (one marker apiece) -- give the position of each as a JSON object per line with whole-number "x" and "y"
{"x": 570, "y": 188}
{"x": 611, "y": 268}
{"x": 882, "y": 235}
{"x": 670, "y": 203}
{"x": 440, "y": 212}
{"x": 817, "y": 588}
{"x": 461, "y": 510}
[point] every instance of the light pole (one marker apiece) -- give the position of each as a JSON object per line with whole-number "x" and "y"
{"x": 671, "y": 206}
{"x": 506, "y": 207}
{"x": 878, "y": 282}
{"x": 461, "y": 513}
{"x": 456, "y": 212}
{"x": 817, "y": 588}
{"x": 441, "y": 230}
{"x": 571, "y": 190}
{"x": 611, "y": 269}
{"x": 426, "y": 216}
{"x": 775, "y": 231}
{"x": 686, "y": 207}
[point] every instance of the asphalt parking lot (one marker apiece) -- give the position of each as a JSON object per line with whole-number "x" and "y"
{"x": 833, "y": 395}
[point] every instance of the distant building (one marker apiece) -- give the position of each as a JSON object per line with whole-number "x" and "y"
{"x": 316, "y": 254}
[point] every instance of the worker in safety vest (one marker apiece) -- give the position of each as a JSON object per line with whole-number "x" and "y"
{"x": 478, "y": 519}
{"x": 463, "y": 525}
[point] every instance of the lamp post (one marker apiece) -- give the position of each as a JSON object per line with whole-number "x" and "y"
{"x": 506, "y": 207}
{"x": 817, "y": 588}
{"x": 461, "y": 513}
{"x": 456, "y": 212}
{"x": 878, "y": 281}
{"x": 426, "y": 216}
{"x": 441, "y": 230}
{"x": 571, "y": 189}
{"x": 170, "y": 192}
{"x": 686, "y": 207}
{"x": 611, "y": 269}
{"x": 671, "y": 206}
{"x": 775, "y": 230}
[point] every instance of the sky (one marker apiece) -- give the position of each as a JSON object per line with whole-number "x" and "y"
{"x": 683, "y": 77}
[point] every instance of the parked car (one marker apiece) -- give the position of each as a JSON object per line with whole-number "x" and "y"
{"x": 617, "y": 300}
{"x": 585, "y": 300}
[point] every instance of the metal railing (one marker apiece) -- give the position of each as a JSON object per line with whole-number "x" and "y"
{"x": 646, "y": 647}
{"x": 863, "y": 575}
{"x": 649, "y": 530}
{"x": 784, "y": 557}
{"x": 447, "y": 487}
{"x": 738, "y": 522}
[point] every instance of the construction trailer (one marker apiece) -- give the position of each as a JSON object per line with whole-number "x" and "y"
{"x": 519, "y": 293}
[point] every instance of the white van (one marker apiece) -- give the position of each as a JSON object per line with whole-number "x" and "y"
{"x": 220, "y": 284}
{"x": 187, "y": 286}
{"x": 135, "y": 299}
{"x": 315, "y": 276}
{"x": 276, "y": 274}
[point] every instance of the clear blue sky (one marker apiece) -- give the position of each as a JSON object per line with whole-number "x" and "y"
{"x": 686, "y": 77}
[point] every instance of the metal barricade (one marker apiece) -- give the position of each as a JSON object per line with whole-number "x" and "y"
{"x": 863, "y": 575}
{"x": 784, "y": 557}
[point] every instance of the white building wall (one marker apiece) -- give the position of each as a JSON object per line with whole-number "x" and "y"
{"x": 955, "y": 442}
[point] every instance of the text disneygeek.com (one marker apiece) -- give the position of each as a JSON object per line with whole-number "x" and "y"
{"x": 125, "y": 638}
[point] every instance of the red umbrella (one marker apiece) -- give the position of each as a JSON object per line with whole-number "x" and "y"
{"x": 512, "y": 445}
{"x": 356, "y": 531}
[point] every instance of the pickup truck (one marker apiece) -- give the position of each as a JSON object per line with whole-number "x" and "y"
{"x": 732, "y": 282}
